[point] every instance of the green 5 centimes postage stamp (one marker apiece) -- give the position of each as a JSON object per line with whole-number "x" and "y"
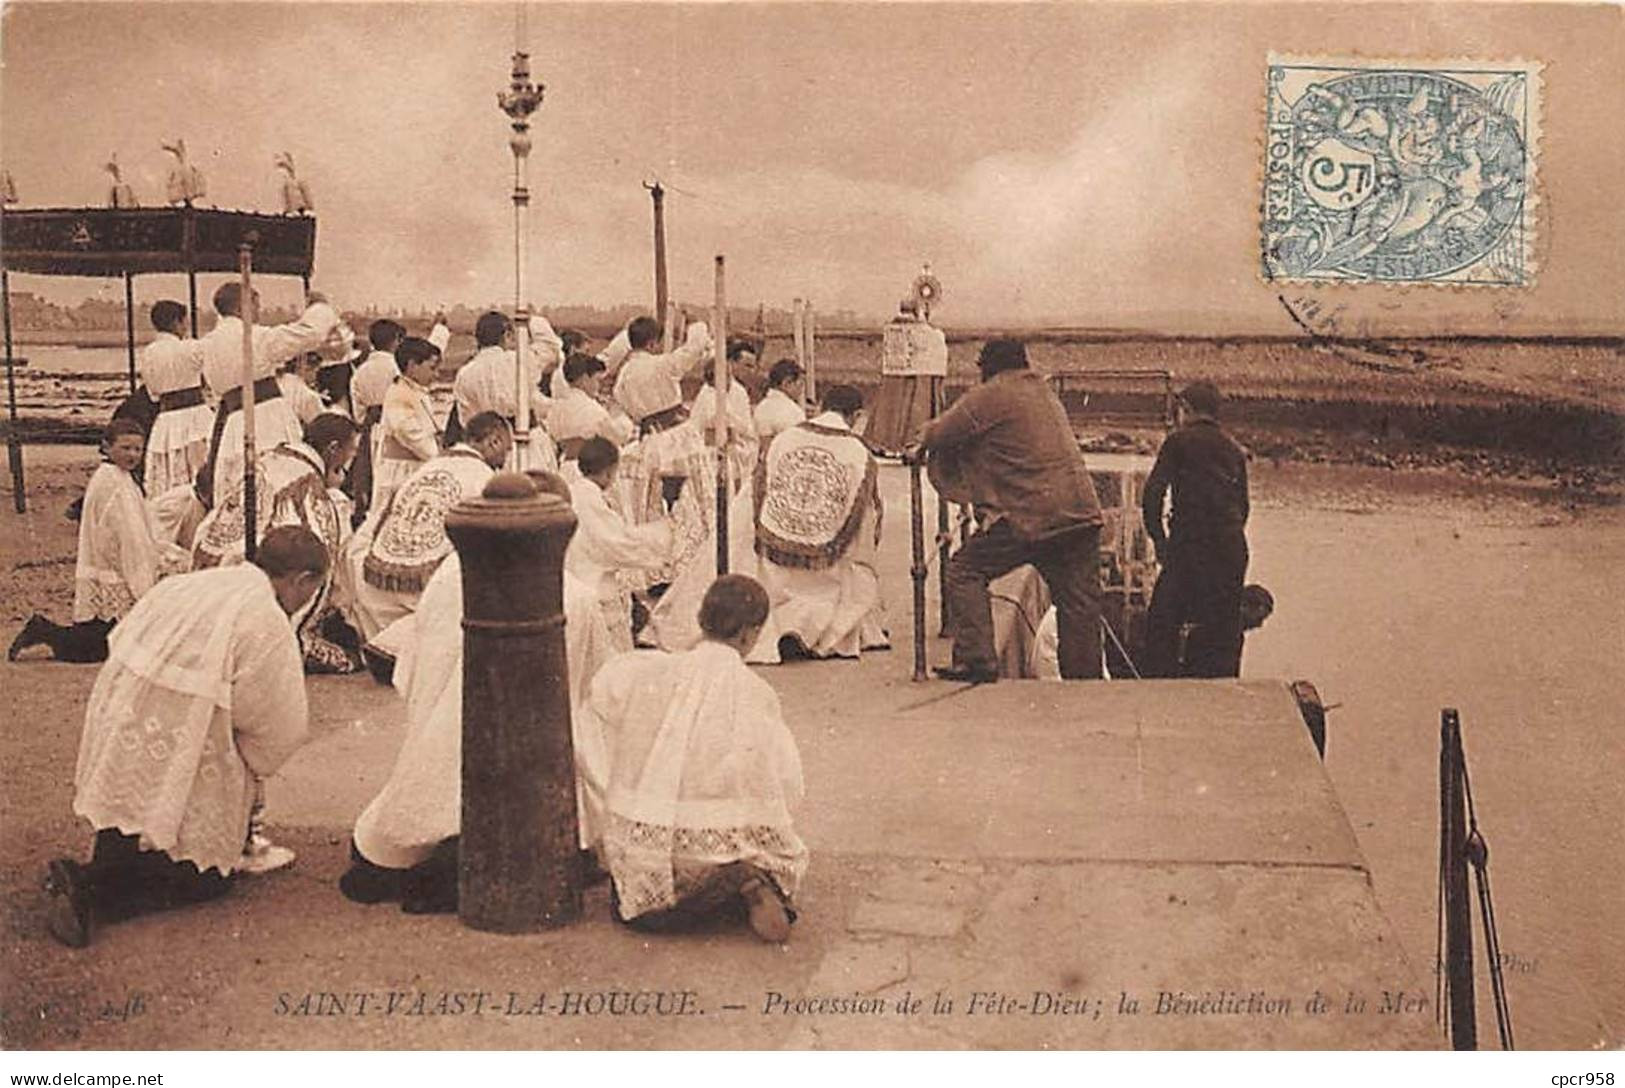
{"x": 1400, "y": 172}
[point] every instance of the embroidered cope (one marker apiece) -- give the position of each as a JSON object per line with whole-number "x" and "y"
{"x": 812, "y": 490}
{"x": 410, "y": 538}
{"x": 818, "y": 524}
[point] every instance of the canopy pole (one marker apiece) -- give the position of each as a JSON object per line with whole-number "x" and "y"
{"x": 249, "y": 312}
{"x": 14, "y": 446}
{"x": 719, "y": 383}
{"x": 191, "y": 297}
{"x": 129, "y": 324}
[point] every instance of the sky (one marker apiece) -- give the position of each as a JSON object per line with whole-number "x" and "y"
{"x": 1062, "y": 164}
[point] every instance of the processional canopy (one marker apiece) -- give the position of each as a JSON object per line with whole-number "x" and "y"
{"x": 114, "y": 241}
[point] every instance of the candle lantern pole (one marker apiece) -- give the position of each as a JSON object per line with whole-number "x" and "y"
{"x": 518, "y": 102}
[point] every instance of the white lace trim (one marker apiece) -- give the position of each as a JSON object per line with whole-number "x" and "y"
{"x": 642, "y": 858}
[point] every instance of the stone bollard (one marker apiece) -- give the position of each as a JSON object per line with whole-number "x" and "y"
{"x": 517, "y": 868}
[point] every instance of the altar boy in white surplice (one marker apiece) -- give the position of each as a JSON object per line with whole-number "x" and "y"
{"x": 405, "y": 843}
{"x": 172, "y": 371}
{"x": 689, "y": 773}
{"x": 202, "y": 695}
{"x": 121, "y": 555}
{"x": 613, "y": 556}
{"x": 780, "y": 407}
{"x": 274, "y": 418}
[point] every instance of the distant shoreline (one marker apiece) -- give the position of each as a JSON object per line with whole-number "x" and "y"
{"x": 88, "y": 339}
{"x": 1502, "y": 406}
{"x": 1079, "y": 334}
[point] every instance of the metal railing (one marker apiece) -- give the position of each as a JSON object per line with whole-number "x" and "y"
{"x": 1461, "y": 845}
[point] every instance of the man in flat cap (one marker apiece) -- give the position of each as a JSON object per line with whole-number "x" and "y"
{"x": 1026, "y": 477}
{"x": 1203, "y": 551}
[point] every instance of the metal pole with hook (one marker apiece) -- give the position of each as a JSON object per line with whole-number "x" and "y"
{"x": 250, "y": 314}
{"x": 1457, "y": 921}
{"x": 917, "y": 569}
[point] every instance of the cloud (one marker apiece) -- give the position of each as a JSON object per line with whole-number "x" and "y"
{"x": 1087, "y": 229}
{"x": 1062, "y": 235}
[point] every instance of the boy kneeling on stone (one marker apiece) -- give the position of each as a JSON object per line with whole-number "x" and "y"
{"x": 203, "y": 693}
{"x": 121, "y": 555}
{"x": 689, "y": 774}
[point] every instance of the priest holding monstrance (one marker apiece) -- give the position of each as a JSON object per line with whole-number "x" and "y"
{"x": 913, "y": 366}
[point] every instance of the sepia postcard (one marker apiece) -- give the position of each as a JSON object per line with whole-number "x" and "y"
{"x": 1335, "y": 764}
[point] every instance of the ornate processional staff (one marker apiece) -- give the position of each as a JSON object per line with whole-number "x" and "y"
{"x": 250, "y": 314}
{"x": 519, "y": 101}
{"x": 720, "y": 382}
{"x": 902, "y": 340}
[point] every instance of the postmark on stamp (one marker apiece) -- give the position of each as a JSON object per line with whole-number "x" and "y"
{"x": 1400, "y": 172}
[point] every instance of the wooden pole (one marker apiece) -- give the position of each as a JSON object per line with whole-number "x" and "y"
{"x": 719, "y": 380}
{"x": 669, "y": 331}
{"x": 811, "y": 335}
{"x": 517, "y": 855}
{"x": 14, "y": 445}
{"x": 250, "y": 314}
{"x": 798, "y": 332}
{"x": 916, "y": 517}
{"x": 658, "y": 195}
{"x": 944, "y": 545}
{"x": 129, "y": 324}
{"x": 1458, "y": 919}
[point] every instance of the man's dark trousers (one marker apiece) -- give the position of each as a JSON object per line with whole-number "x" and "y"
{"x": 1200, "y": 584}
{"x": 126, "y": 880}
{"x": 1069, "y": 563}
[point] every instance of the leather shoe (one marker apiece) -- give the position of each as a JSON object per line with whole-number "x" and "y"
{"x": 32, "y": 634}
{"x": 968, "y": 674}
{"x": 67, "y": 903}
{"x": 769, "y": 919}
